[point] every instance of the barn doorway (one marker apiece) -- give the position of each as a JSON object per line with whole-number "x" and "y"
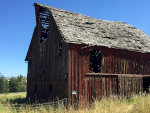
{"x": 146, "y": 84}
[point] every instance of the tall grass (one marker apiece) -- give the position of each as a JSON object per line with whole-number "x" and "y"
{"x": 135, "y": 104}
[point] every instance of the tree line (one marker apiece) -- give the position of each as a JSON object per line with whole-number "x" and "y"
{"x": 13, "y": 84}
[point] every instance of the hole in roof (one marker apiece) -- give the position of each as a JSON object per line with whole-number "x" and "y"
{"x": 103, "y": 32}
{"x": 131, "y": 27}
{"x": 109, "y": 37}
{"x": 89, "y": 23}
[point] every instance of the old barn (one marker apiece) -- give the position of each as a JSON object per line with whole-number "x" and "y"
{"x": 81, "y": 58}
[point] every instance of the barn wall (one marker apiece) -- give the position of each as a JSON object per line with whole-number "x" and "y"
{"x": 117, "y": 61}
{"x": 46, "y": 90}
{"x": 100, "y": 85}
{"x": 113, "y": 62}
{"x": 47, "y": 66}
{"x": 125, "y": 62}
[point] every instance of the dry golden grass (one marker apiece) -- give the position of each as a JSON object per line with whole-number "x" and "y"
{"x": 135, "y": 104}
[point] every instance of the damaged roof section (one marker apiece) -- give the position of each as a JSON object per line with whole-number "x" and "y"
{"x": 80, "y": 29}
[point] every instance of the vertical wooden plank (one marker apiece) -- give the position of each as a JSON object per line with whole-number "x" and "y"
{"x": 92, "y": 90}
{"x": 98, "y": 87}
{"x": 70, "y": 75}
{"x": 90, "y": 99}
{"x": 76, "y": 76}
{"x": 102, "y": 67}
{"x": 122, "y": 87}
{"x": 112, "y": 57}
{"x": 104, "y": 87}
{"x": 112, "y": 86}
{"x": 107, "y": 86}
{"x": 88, "y": 94}
{"x": 101, "y": 87}
{"x": 119, "y": 86}
{"x": 105, "y": 64}
{"x": 86, "y": 91}
{"x": 134, "y": 85}
{"x": 108, "y": 64}
{"x": 80, "y": 77}
{"x": 131, "y": 85}
{"x": 83, "y": 75}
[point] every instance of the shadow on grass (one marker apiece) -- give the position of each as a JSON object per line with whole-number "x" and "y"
{"x": 18, "y": 101}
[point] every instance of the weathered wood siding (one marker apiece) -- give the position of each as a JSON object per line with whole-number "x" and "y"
{"x": 104, "y": 85}
{"x": 47, "y": 67}
{"x": 98, "y": 86}
{"x": 128, "y": 86}
{"x": 125, "y": 62}
{"x": 77, "y": 67}
{"x": 114, "y": 61}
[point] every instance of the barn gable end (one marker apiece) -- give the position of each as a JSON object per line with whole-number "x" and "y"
{"x": 47, "y": 59}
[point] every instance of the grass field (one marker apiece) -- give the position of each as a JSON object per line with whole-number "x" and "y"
{"x": 15, "y": 102}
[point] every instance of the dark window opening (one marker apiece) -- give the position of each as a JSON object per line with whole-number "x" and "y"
{"x": 44, "y": 34}
{"x": 43, "y": 17}
{"x": 95, "y": 61}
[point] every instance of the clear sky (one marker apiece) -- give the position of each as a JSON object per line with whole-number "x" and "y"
{"x": 17, "y": 22}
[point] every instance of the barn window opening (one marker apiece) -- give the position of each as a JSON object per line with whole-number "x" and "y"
{"x": 95, "y": 60}
{"x": 43, "y": 17}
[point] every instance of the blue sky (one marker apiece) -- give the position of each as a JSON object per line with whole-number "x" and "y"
{"x": 17, "y": 22}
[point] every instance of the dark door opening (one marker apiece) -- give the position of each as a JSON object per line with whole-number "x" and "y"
{"x": 146, "y": 84}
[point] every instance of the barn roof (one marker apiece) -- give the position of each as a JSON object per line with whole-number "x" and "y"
{"x": 81, "y": 29}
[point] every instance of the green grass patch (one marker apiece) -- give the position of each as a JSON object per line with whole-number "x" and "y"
{"x": 16, "y": 102}
{"x": 12, "y": 97}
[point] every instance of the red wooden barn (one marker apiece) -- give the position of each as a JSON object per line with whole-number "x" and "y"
{"x": 81, "y": 58}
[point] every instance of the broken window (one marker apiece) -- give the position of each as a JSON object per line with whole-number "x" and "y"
{"x": 43, "y": 17}
{"x": 95, "y": 60}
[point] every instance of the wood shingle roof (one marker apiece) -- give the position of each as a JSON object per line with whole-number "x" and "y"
{"x": 81, "y": 29}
